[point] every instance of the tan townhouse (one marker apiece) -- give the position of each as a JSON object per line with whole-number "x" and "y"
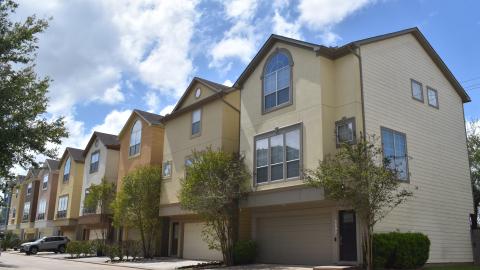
{"x": 101, "y": 164}
{"x": 207, "y": 115}
{"x": 47, "y": 196}
{"x": 141, "y": 143}
{"x": 29, "y": 207}
{"x": 16, "y": 201}
{"x": 300, "y": 100}
{"x": 69, "y": 189}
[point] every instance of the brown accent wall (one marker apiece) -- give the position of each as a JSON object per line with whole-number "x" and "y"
{"x": 151, "y": 149}
{"x": 49, "y": 195}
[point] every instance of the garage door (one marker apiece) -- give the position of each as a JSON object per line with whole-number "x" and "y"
{"x": 297, "y": 239}
{"x": 193, "y": 245}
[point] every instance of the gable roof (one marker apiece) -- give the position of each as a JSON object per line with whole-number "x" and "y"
{"x": 75, "y": 153}
{"x": 32, "y": 172}
{"x": 336, "y": 52}
{"x": 52, "y": 164}
{"x": 109, "y": 140}
{"x": 151, "y": 119}
{"x": 212, "y": 85}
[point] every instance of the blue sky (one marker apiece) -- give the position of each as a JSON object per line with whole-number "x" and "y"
{"x": 109, "y": 57}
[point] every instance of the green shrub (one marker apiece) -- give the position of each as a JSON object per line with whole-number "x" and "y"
{"x": 10, "y": 240}
{"x": 244, "y": 252}
{"x": 131, "y": 249}
{"x": 74, "y": 248}
{"x": 98, "y": 247}
{"x": 400, "y": 250}
{"x": 112, "y": 252}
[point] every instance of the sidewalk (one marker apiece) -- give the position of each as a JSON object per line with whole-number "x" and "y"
{"x": 155, "y": 264}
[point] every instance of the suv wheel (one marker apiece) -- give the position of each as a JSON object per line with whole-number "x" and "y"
{"x": 61, "y": 248}
{"x": 33, "y": 250}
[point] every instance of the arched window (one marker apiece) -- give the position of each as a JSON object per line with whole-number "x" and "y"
{"x": 135, "y": 138}
{"x": 66, "y": 170}
{"x": 277, "y": 81}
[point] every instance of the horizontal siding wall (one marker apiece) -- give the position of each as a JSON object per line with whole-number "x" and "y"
{"x": 439, "y": 176}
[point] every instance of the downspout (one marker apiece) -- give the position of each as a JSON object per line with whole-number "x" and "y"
{"x": 359, "y": 56}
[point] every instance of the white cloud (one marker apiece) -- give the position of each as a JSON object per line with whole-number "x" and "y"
{"x": 330, "y": 38}
{"x": 320, "y": 14}
{"x": 228, "y": 83}
{"x": 167, "y": 109}
{"x": 282, "y": 27}
{"x": 244, "y": 9}
{"x": 240, "y": 40}
{"x": 112, "y": 95}
{"x": 152, "y": 100}
{"x": 113, "y": 122}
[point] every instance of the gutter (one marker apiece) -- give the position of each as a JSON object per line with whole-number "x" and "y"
{"x": 359, "y": 57}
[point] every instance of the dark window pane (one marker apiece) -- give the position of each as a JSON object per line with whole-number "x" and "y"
{"x": 270, "y": 101}
{"x": 293, "y": 169}
{"x": 283, "y": 96}
{"x": 276, "y": 172}
{"x": 195, "y": 128}
{"x": 262, "y": 174}
{"x": 345, "y": 132}
{"x": 262, "y": 152}
{"x": 417, "y": 90}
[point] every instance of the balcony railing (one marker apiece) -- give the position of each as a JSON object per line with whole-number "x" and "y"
{"x": 41, "y": 216}
{"x": 91, "y": 210}
{"x": 62, "y": 214}
{"x": 25, "y": 218}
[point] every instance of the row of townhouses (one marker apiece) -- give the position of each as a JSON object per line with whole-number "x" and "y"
{"x": 293, "y": 104}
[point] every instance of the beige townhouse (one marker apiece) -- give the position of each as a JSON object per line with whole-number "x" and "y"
{"x": 207, "y": 115}
{"x": 141, "y": 143}
{"x": 300, "y": 100}
{"x": 101, "y": 164}
{"x": 47, "y": 194}
{"x": 69, "y": 188}
{"x": 29, "y": 207}
{"x": 16, "y": 201}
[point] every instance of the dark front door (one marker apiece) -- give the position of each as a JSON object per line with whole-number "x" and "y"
{"x": 175, "y": 235}
{"x": 348, "y": 236}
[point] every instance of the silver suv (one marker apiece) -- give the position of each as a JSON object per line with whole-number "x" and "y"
{"x": 48, "y": 243}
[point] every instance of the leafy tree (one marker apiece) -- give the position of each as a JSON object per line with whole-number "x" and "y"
{"x": 24, "y": 128}
{"x": 214, "y": 184}
{"x": 138, "y": 203}
{"x": 473, "y": 146}
{"x": 101, "y": 197}
{"x": 356, "y": 178}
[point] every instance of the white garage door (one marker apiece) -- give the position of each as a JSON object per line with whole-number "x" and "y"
{"x": 193, "y": 245}
{"x": 305, "y": 239}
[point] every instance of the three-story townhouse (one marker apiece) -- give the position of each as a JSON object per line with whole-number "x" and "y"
{"x": 30, "y": 190}
{"x": 101, "y": 155}
{"x": 300, "y": 100}
{"x": 69, "y": 189}
{"x": 16, "y": 201}
{"x": 207, "y": 115}
{"x": 141, "y": 144}
{"x": 47, "y": 195}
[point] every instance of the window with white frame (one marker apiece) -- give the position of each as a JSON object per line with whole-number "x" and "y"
{"x": 94, "y": 161}
{"x": 42, "y": 206}
{"x": 278, "y": 155}
{"x": 167, "y": 169}
{"x": 394, "y": 145}
{"x": 135, "y": 138}
{"x": 432, "y": 95}
{"x": 62, "y": 206}
{"x": 29, "y": 188}
{"x": 66, "y": 170}
{"x": 345, "y": 131}
{"x": 196, "y": 122}
{"x": 277, "y": 80}
{"x": 26, "y": 210}
{"x": 45, "y": 182}
{"x": 417, "y": 90}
